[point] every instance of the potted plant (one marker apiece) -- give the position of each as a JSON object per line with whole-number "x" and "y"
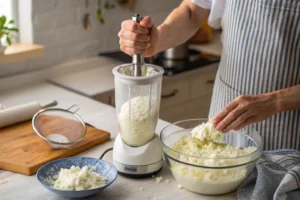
{"x": 7, "y": 32}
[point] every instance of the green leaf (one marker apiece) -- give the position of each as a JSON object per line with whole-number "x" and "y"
{"x": 3, "y": 19}
{"x": 5, "y": 32}
{"x": 122, "y": 1}
{"x": 102, "y": 21}
{"x": 108, "y": 5}
{"x": 8, "y": 40}
{"x": 11, "y": 29}
{"x": 99, "y": 14}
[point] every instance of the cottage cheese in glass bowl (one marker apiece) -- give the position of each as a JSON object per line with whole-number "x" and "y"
{"x": 206, "y": 161}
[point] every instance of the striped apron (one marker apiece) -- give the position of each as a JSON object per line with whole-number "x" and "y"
{"x": 261, "y": 53}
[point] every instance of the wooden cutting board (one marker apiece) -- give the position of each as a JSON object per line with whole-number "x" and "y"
{"x": 23, "y": 151}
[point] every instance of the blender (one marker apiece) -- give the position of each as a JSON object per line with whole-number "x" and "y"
{"x": 137, "y": 148}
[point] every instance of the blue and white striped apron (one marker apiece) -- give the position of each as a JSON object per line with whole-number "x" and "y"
{"x": 261, "y": 53}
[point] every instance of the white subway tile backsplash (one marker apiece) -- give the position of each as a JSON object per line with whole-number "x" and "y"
{"x": 53, "y": 56}
{"x": 44, "y": 20}
{"x": 65, "y": 16}
{"x": 149, "y": 7}
{"x": 113, "y": 39}
{"x": 46, "y": 37}
{"x": 43, "y": 5}
{"x": 67, "y": 35}
{"x": 72, "y": 3}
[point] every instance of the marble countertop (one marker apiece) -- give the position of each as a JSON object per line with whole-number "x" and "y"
{"x": 21, "y": 187}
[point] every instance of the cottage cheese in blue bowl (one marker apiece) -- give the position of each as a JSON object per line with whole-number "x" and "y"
{"x": 49, "y": 172}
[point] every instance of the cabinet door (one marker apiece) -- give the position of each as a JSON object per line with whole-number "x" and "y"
{"x": 174, "y": 92}
{"x": 203, "y": 84}
{"x": 196, "y": 108}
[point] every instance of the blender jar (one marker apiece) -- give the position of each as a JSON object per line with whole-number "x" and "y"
{"x": 137, "y": 103}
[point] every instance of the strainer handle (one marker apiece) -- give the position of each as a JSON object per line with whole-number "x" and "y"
{"x": 73, "y": 106}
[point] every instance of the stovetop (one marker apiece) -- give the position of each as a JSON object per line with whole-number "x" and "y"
{"x": 171, "y": 67}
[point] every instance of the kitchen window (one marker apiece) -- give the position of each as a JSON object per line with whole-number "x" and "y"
{"x": 23, "y": 47}
{"x": 7, "y": 8}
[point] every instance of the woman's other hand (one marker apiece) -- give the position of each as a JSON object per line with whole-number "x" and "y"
{"x": 245, "y": 110}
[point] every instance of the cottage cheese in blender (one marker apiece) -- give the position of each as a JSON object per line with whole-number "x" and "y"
{"x": 146, "y": 70}
{"x": 208, "y": 150}
{"x": 137, "y": 119}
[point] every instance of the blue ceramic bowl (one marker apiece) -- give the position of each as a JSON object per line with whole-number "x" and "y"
{"x": 53, "y": 168}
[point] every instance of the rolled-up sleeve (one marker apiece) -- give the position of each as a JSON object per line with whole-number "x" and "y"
{"x": 216, "y": 7}
{"x": 206, "y": 4}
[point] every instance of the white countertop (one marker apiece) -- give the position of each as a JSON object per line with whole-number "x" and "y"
{"x": 89, "y": 82}
{"x": 20, "y": 187}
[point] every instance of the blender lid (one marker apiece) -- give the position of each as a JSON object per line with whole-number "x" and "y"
{"x": 139, "y": 80}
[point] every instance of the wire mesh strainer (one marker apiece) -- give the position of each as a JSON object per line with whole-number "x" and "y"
{"x": 59, "y": 128}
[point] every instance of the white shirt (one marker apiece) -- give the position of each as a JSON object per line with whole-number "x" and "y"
{"x": 216, "y": 7}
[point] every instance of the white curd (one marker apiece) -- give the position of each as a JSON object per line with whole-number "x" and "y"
{"x": 206, "y": 131}
{"x": 77, "y": 178}
{"x": 146, "y": 70}
{"x": 138, "y": 121}
{"x": 204, "y": 148}
{"x": 58, "y": 138}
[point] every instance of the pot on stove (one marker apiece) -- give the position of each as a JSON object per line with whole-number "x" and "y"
{"x": 175, "y": 57}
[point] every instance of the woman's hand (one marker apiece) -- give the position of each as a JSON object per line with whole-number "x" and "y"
{"x": 138, "y": 38}
{"x": 245, "y": 110}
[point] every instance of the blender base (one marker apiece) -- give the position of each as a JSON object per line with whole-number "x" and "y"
{"x": 145, "y": 171}
{"x": 141, "y": 161}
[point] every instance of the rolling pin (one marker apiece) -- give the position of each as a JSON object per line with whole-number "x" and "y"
{"x": 21, "y": 113}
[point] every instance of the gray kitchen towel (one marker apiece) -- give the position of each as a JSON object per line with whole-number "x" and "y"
{"x": 276, "y": 176}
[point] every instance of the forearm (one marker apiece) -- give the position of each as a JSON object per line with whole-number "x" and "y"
{"x": 288, "y": 99}
{"x": 180, "y": 25}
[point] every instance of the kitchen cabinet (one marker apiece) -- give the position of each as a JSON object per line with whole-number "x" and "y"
{"x": 174, "y": 92}
{"x": 191, "y": 95}
{"x": 193, "y": 108}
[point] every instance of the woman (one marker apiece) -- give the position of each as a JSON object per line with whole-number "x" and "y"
{"x": 257, "y": 83}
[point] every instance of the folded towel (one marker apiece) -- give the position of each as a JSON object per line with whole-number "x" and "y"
{"x": 276, "y": 176}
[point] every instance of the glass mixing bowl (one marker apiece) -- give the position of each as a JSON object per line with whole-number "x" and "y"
{"x": 218, "y": 175}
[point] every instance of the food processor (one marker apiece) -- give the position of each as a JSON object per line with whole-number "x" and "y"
{"x": 137, "y": 148}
